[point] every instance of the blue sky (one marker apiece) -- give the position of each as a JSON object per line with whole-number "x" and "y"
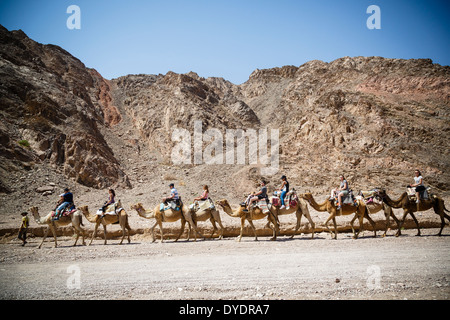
{"x": 230, "y": 39}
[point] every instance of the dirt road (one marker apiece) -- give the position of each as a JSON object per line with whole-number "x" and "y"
{"x": 408, "y": 267}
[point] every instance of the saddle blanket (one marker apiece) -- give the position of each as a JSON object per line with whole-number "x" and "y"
{"x": 65, "y": 213}
{"x": 171, "y": 206}
{"x": 262, "y": 204}
{"x": 202, "y": 205}
{"x": 111, "y": 212}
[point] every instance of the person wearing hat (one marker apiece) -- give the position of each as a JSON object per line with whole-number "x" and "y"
{"x": 65, "y": 201}
{"x": 23, "y": 228}
{"x": 284, "y": 190}
{"x": 173, "y": 194}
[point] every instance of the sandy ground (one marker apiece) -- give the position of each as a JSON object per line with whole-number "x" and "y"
{"x": 407, "y": 267}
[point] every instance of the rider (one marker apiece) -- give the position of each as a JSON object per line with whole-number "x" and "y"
{"x": 173, "y": 195}
{"x": 65, "y": 201}
{"x": 342, "y": 191}
{"x": 205, "y": 194}
{"x": 418, "y": 184}
{"x": 111, "y": 200}
{"x": 284, "y": 190}
{"x": 262, "y": 194}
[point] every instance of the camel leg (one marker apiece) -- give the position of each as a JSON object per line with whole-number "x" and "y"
{"x": 439, "y": 209}
{"x": 299, "y": 215}
{"x": 242, "y": 228}
{"x": 268, "y": 225}
{"x": 219, "y": 221}
{"x": 76, "y": 223}
{"x": 405, "y": 213}
{"x": 361, "y": 226}
{"x": 443, "y": 217}
{"x": 351, "y": 223}
{"x": 387, "y": 214}
{"x": 161, "y": 231}
{"x": 213, "y": 222}
{"x": 183, "y": 224}
{"x": 397, "y": 221}
{"x": 197, "y": 231}
{"x": 153, "y": 231}
{"x": 52, "y": 227}
{"x": 326, "y": 224}
{"x": 253, "y": 228}
{"x": 95, "y": 232}
{"x": 45, "y": 236}
{"x": 416, "y": 222}
{"x": 104, "y": 232}
{"x": 372, "y": 223}
{"x": 335, "y": 227}
{"x": 127, "y": 225}
{"x": 311, "y": 222}
{"x": 82, "y": 232}
{"x": 122, "y": 224}
{"x": 78, "y": 231}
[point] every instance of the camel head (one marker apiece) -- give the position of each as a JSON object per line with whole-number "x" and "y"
{"x": 381, "y": 193}
{"x": 84, "y": 209}
{"x": 223, "y": 203}
{"x": 307, "y": 196}
{"x": 137, "y": 206}
{"x": 34, "y": 210}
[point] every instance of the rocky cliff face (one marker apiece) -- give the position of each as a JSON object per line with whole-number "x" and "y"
{"x": 373, "y": 119}
{"x": 51, "y": 107}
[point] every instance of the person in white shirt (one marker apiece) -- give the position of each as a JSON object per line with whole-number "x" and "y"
{"x": 418, "y": 184}
{"x": 173, "y": 194}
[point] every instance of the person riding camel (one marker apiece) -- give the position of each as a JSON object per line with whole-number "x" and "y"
{"x": 111, "y": 200}
{"x": 341, "y": 192}
{"x": 262, "y": 194}
{"x": 418, "y": 185}
{"x": 205, "y": 194}
{"x": 174, "y": 196}
{"x": 284, "y": 190}
{"x": 66, "y": 200}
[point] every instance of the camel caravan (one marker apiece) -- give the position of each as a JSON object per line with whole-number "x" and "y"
{"x": 257, "y": 206}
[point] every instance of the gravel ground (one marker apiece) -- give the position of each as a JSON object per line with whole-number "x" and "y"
{"x": 407, "y": 267}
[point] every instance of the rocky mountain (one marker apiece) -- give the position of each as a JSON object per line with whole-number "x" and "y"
{"x": 51, "y": 107}
{"x": 371, "y": 118}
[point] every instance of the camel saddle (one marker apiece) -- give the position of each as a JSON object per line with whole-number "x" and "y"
{"x": 347, "y": 200}
{"x": 66, "y": 212}
{"x": 202, "y": 205}
{"x": 171, "y": 205}
{"x": 112, "y": 209}
{"x": 424, "y": 195}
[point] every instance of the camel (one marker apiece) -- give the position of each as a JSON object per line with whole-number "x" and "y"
{"x": 76, "y": 219}
{"x": 375, "y": 207}
{"x": 168, "y": 216}
{"x": 212, "y": 214}
{"x": 346, "y": 209}
{"x": 410, "y": 206}
{"x": 120, "y": 217}
{"x": 299, "y": 209}
{"x": 253, "y": 214}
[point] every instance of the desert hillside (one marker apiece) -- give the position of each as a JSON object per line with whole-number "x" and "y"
{"x": 62, "y": 124}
